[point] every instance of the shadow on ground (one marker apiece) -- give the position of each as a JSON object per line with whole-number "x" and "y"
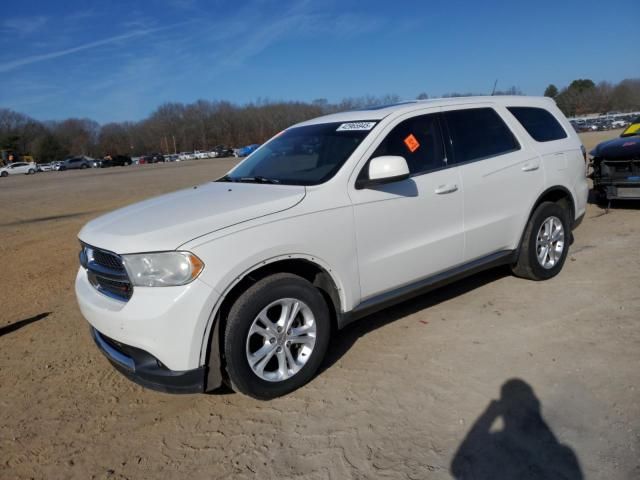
{"x": 12, "y": 327}
{"x": 344, "y": 339}
{"x": 521, "y": 447}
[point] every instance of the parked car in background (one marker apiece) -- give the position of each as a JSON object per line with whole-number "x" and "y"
{"x": 222, "y": 151}
{"x": 616, "y": 168}
{"x": 185, "y": 156}
{"x": 248, "y": 150}
{"x": 153, "y": 158}
{"x": 633, "y": 128}
{"x": 243, "y": 279}
{"x": 75, "y": 163}
{"x": 96, "y": 163}
{"x": 116, "y": 161}
{"x": 26, "y": 168}
{"x": 171, "y": 158}
{"x": 44, "y": 167}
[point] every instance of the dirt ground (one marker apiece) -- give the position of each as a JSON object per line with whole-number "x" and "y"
{"x": 420, "y": 391}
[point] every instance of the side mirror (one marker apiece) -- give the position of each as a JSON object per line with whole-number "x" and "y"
{"x": 385, "y": 169}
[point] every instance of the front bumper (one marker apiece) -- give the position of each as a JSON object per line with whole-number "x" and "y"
{"x": 146, "y": 370}
{"x": 619, "y": 191}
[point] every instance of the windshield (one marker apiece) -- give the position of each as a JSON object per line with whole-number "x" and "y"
{"x": 303, "y": 155}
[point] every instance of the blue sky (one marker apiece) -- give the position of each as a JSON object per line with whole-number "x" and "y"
{"x": 119, "y": 60}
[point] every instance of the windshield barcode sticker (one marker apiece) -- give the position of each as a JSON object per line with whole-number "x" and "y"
{"x": 356, "y": 126}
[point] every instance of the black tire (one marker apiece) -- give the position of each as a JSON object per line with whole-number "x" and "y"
{"x": 4, "y": 174}
{"x": 241, "y": 316}
{"x": 528, "y": 266}
{"x": 83, "y": 166}
{"x": 31, "y": 171}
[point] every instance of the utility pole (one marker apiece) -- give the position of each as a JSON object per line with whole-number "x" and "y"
{"x": 495, "y": 84}
{"x": 174, "y": 144}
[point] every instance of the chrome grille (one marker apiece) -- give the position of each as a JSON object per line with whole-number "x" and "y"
{"x": 106, "y": 272}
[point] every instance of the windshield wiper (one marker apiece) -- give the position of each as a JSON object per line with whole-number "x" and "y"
{"x": 257, "y": 179}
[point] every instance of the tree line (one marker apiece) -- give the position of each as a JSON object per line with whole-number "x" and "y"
{"x": 583, "y": 97}
{"x": 202, "y": 125}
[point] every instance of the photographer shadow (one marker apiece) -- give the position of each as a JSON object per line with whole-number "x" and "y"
{"x": 523, "y": 447}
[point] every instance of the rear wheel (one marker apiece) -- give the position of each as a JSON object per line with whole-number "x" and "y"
{"x": 545, "y": 243}
{"x": 276, "y": 336}
{"x": 31, "y": 171}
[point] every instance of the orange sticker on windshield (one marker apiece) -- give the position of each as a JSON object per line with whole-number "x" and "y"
{"x": 412, "y": 143}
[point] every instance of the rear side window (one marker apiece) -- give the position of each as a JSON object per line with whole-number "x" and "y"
{"x": 419, "y": 141}
{"x": 539, "y": 123}
{"x": 478, "y": 133}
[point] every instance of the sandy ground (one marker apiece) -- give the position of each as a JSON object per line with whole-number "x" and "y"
{"x": 411, "y": 392}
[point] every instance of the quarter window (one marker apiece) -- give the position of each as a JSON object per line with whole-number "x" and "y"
{"x": 539, "y": 123}
{"x": 478, "y": 133}
{"x": 419, "y": 141}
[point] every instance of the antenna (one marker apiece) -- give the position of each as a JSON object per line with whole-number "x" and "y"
{"x": 495, "y": 84}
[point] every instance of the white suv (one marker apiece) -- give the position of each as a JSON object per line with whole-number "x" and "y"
{"x": 243, "y": 279}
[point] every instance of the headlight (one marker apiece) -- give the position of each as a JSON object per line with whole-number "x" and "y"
{"x": 165, "y": 269}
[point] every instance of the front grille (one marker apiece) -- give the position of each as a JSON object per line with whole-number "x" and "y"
{"x": 107, "y": 259}
{"x": 106, "y": 272}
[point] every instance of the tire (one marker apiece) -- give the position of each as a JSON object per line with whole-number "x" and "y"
{"x": 241, "y": 340}
{"x": 4, "y": 174}
{"x": 83, "y": 166}
{"x": 533, "y": 263}
{"x": 31, "y": 172}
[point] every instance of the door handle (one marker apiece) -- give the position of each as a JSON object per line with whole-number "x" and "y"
{"x": 442, "y": 189}
{"x": 530, "y": 167}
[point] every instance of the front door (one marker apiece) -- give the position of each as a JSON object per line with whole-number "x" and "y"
{"x": 411, "y": 229}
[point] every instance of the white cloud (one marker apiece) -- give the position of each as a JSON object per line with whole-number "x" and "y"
{"x": 12, "y": 65}
{"x": 23, "y": 25}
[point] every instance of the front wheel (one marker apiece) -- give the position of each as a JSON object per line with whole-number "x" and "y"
{"x": 545, "y": 243}
{"x": 276, "y": 336}
{"x": 31, "y": 171}
{"x": 4, "y": 174}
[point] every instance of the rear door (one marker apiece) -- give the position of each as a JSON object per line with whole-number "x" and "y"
{"x": 500, "y": 177}
{"x": 411, "y": 229}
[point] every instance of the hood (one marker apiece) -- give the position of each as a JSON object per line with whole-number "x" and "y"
{"x": 168, "y": 221}
{"x": 624, "y": 148}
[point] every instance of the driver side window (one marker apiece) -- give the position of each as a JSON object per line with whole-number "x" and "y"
{"x": 419, "y": 141}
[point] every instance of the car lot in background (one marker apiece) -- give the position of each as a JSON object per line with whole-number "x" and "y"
{"x": 603, "y": 123}
{"x": 18, "y": 168}
{"x": 45, "y": 167}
